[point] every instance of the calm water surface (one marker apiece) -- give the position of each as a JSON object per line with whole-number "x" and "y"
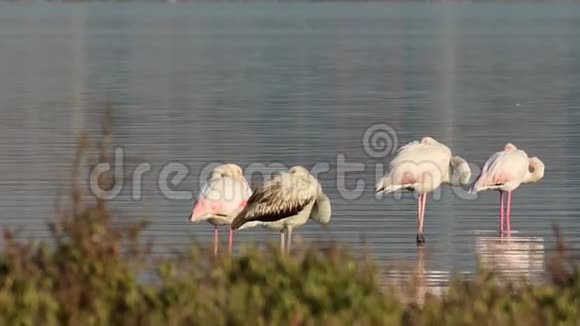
{"x": 300, "y": 84}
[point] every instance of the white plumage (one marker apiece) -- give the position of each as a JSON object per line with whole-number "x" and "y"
{"x": 422, "y": 166}
{"x": 505, "y": 171}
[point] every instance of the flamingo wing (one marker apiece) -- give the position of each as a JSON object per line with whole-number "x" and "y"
{"x": 223, "y": 196}
{"x": 280, "y": 197}
{"x": 501, "y": 169}
{"x": 414, "y": 163}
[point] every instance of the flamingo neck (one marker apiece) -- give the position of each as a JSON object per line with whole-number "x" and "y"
{"x": 535, "y": 170}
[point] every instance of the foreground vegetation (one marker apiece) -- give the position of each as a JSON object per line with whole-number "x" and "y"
{"x": 92, "y": 274}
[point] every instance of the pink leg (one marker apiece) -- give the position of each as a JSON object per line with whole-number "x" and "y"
{"x": 420, "y": 213}
{"x": 215, "y": 240}
{"x": 422, "y": 200}
{"x": 419, "y": 201}
{"x": 501, "y": 213}
{"x": 423, "y": 204}
{"x": 509, "y": 213}
{"x": 420, "y": 238}
{"x": 231, "y": 242}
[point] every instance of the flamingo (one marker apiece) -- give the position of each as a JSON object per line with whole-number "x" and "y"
{"x": 505, "y": 171}
{"x": 221, "y": 199}
{"x": 284, "y": 202}
{"x": 422, "y": 166}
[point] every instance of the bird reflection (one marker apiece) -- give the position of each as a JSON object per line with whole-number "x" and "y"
{"x": 421, "y": 285}
{"x": 513, "y": 257}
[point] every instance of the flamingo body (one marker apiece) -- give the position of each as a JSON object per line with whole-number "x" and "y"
{"x": 418, "y": 166}
{"x": 422, "y": 166}
{"x": 284, "y": 202}
{"x": 505, "y": 171}
{"x": 223, "y": 196}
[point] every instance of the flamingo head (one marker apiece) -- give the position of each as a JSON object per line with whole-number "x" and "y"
{"x": 299, "y": 171}
{"x": 227, "y": 170}
{"x": 428, "y": 140}
{"x": 509, "y": 147}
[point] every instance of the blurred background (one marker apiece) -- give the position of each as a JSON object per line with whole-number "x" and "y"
{"x": 298, "y": 83}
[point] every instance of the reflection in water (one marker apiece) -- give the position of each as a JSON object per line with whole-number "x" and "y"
{"x": 415, "y": 281}
{"x": 514, "y": 257}
{"x": 422, "y": 278}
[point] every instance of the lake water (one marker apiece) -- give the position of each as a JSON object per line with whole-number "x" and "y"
{"x": 300, "y": 84}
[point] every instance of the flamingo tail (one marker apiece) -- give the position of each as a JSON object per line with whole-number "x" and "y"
{"x": 386, "y": 186}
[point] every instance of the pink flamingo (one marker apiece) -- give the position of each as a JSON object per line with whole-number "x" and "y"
{"x": 422, "y": 167}
{"x": 224, "y": 195}
{"x": 505, "y": 171}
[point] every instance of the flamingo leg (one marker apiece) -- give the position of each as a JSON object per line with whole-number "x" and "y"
{"x": 509, "y": 212}
{"x": 423, "y": 208}
{"x": 215, "y": 240}
{"x": 419, "y": 201}
{"x": 282, "y": 241}
{"x": 289, "y": 240}
{"x": 421, "y": 212}
{"x": 423, "y": 204}
{"x": 231, "y": 241}
{"x": 501, "y": 213}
